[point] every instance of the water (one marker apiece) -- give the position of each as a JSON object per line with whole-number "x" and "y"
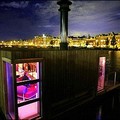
{"x": 105, "y": 107}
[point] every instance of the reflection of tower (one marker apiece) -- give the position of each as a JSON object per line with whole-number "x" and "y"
{"x": 64, "y": 8}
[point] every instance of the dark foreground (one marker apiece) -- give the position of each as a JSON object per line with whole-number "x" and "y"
{"x": 2, "y": 117}
{"x": 104, "y": 107}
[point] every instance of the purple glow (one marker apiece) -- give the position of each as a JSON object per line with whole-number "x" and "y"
{"x": 10, "y": 89}
{"x": 27, "y": 92}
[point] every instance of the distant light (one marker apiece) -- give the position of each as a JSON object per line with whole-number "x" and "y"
{"x": 44, "y": 36}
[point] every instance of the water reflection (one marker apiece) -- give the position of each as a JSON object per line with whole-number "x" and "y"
{"x": 109, "y": 109}
{"x": 99, "y": 114}
{"x": 104, "y": 108}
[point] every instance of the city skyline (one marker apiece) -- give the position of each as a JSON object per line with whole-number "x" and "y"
{"x": 26, "y": 19}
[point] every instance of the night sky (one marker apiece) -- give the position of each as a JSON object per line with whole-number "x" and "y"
{"x": 25, "y": 19}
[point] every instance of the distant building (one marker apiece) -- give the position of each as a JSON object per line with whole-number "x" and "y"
{"x": 44, "y": 41}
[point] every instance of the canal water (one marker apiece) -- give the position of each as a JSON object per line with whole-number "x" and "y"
{"x": 104, "y": 107}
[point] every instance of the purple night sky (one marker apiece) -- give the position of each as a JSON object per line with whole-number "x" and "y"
{"x": 25, "y": 19}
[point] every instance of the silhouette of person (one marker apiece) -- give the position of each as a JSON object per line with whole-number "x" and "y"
{"x": 25, "y": 77}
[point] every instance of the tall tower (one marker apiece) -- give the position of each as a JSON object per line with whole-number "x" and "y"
{"x": 64, "y": 8}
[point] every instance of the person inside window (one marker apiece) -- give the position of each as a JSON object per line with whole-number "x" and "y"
{"x": 25, "y": 77}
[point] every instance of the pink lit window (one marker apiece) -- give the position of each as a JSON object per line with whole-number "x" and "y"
{"x": 29, "y": 89}
{"x": 27, "y": 71}
{"x": 29, "y": 111}
{"x": 101, "y": 74}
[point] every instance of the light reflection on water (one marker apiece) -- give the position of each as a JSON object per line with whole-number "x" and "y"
{"x": 99, "y": 114}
